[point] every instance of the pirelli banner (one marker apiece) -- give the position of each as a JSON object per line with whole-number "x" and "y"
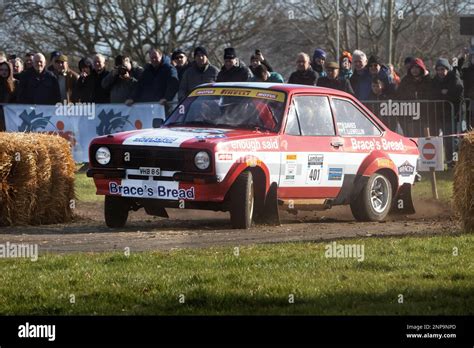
{"x": 81, "y": 122}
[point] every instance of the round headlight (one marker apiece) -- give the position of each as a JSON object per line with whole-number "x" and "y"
{"x": 202, "y": 160}
{"x": 102, "y": 155}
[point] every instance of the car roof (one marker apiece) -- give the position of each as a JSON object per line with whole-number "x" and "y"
{"x": 284, "y": 87}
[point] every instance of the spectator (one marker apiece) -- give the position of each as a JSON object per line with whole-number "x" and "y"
{"x": 319, "y": 57}
{"x": 38, "y": 86}
{"x": 8, "y": 84}
{"x": 66, "y": 77}
{"x": 394, "y": 76}
{"x": 180, "y": 62}
{"x": 17, "y": 67}
{"x": 52, "y": 60}
{"x": 28, "y": 61}
{"x": 416, "y": 84}
{"x": 233, "y": 70}
{"x": 332, "y": 79}
{"x": 159, "y": 81}
{"x": 361, "y": 80}
{"x": 378, "y": 69}
{"x": 261, "y": 74}
{"x": 378, "y": 90}
{"x": 446, "y": 84}
{"x": 258, "y": 59}
{"x": 407, "y": 63}
{"x": 84, "y": 88}
{"x": 345, "y": 62}
{"x": 201, "y": 71}
{"x": 99, "y": 72}
{"x": 120, "y": 81}
{"x": 304, "y": 74}
{"x": 467, "y": 75}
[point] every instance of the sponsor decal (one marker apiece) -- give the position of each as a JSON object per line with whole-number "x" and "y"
{"x": 291, "y": 158}
{"x": 224, "y": 157}
{"x": 205, "y": 92}
{"x": 315, "y": 160}
{"x": 375, "y": 144}
{"x": 254, "y": 145}
{"x": 406, "y": 169}
{"x": 240, "y": 92}
{"x": 315, "y": 168}
{"x": 349, "y": 128}
{"x": 335, "y": 174}
{"x": 151, "y": 191}
{"x": 383, "y": 163}
{"x": 157, "y": 140}
{"x": 210, "y": 136}
{"x": 290, "y": 171}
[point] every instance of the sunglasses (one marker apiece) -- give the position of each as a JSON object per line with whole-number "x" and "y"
{"x": 180, "y": 57}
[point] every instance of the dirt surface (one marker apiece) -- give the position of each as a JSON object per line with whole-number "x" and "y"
{"x": 199, "y": 229}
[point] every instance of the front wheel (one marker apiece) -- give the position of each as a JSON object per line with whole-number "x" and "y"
{"x": 116, "y": 211}
{"x": 374, "y": 201}
{"x": 242, "y": 201}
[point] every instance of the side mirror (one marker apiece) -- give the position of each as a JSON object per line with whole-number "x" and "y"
{"x": 158, "y": 122}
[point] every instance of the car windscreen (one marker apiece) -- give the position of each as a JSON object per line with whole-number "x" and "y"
{"x": 230, "y": 108}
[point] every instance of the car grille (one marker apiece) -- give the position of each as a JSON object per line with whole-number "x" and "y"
{"x": 172, "y": 159}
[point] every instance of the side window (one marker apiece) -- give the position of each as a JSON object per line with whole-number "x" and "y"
{"x": 350, "y": 121}
{"x": 314, "y": 114}
{"x": 292, "y": 126}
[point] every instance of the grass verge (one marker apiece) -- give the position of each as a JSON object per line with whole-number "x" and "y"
{"x": 260, "y": 280}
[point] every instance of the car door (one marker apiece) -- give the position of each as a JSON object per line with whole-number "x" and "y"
{"x": 312, "y": 154}
{"x": 360, "y": 135}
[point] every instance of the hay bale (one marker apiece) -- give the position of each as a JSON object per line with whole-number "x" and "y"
{"x": 36, "y": 179}
{"x": 463, "y": 194}
{"x": 62, "y": 180}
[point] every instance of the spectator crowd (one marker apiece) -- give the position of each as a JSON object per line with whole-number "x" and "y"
{"x": 33, "y": 79}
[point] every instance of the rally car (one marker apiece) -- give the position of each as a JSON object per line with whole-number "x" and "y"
{"x": 254, "y": 149}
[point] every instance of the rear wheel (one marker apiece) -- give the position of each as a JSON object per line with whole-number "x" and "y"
{"x": 242, "y": 201}
{"x": 116, "y": 211}
{"x": 374, "y": 201}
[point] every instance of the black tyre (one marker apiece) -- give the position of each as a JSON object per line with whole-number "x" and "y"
{"x": 270, "y": 214}
{"x": 242, "y": 201}
{"x": 374, "y": 200}
{"x": 116, "y": 211}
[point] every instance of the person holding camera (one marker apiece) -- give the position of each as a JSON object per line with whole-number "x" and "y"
{"x": 120, "y": 81}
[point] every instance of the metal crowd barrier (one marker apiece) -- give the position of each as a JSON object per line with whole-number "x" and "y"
{"x": 410, "y": 118}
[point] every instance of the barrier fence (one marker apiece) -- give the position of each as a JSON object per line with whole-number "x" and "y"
{"x": 80, "y": 123}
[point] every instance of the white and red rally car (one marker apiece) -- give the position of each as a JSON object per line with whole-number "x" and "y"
{"x": 252, "y": 148}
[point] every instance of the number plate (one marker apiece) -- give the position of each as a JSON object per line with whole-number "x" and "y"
{"x": 150, "y": 171}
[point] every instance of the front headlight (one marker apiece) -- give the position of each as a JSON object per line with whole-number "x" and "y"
{"x": 102, "y": 155}
{"x": 202, "y": 160}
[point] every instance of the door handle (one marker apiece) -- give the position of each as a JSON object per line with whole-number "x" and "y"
{"x": 337, "y": 143}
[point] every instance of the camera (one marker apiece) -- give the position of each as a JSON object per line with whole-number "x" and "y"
{"x": 122, "y": 70}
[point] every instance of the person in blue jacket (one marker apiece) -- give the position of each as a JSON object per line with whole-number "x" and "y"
{"x": 159, "y": 81}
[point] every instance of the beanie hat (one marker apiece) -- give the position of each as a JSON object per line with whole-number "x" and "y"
{"x": 408, "y": 60}
{"x": 176, "y": 53}
{"x": 419, "y": 63}
{"x": 374, "y": 60}
{"x": 85, "y": 62}
{"x": 347, "y": 55}
{"x": 319, "y": 53}
{"x": 55, "y": 54}
{"x": 444, "y": 63}
{"x": 229, "y": 53}
{"x": 200, "y": 50}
